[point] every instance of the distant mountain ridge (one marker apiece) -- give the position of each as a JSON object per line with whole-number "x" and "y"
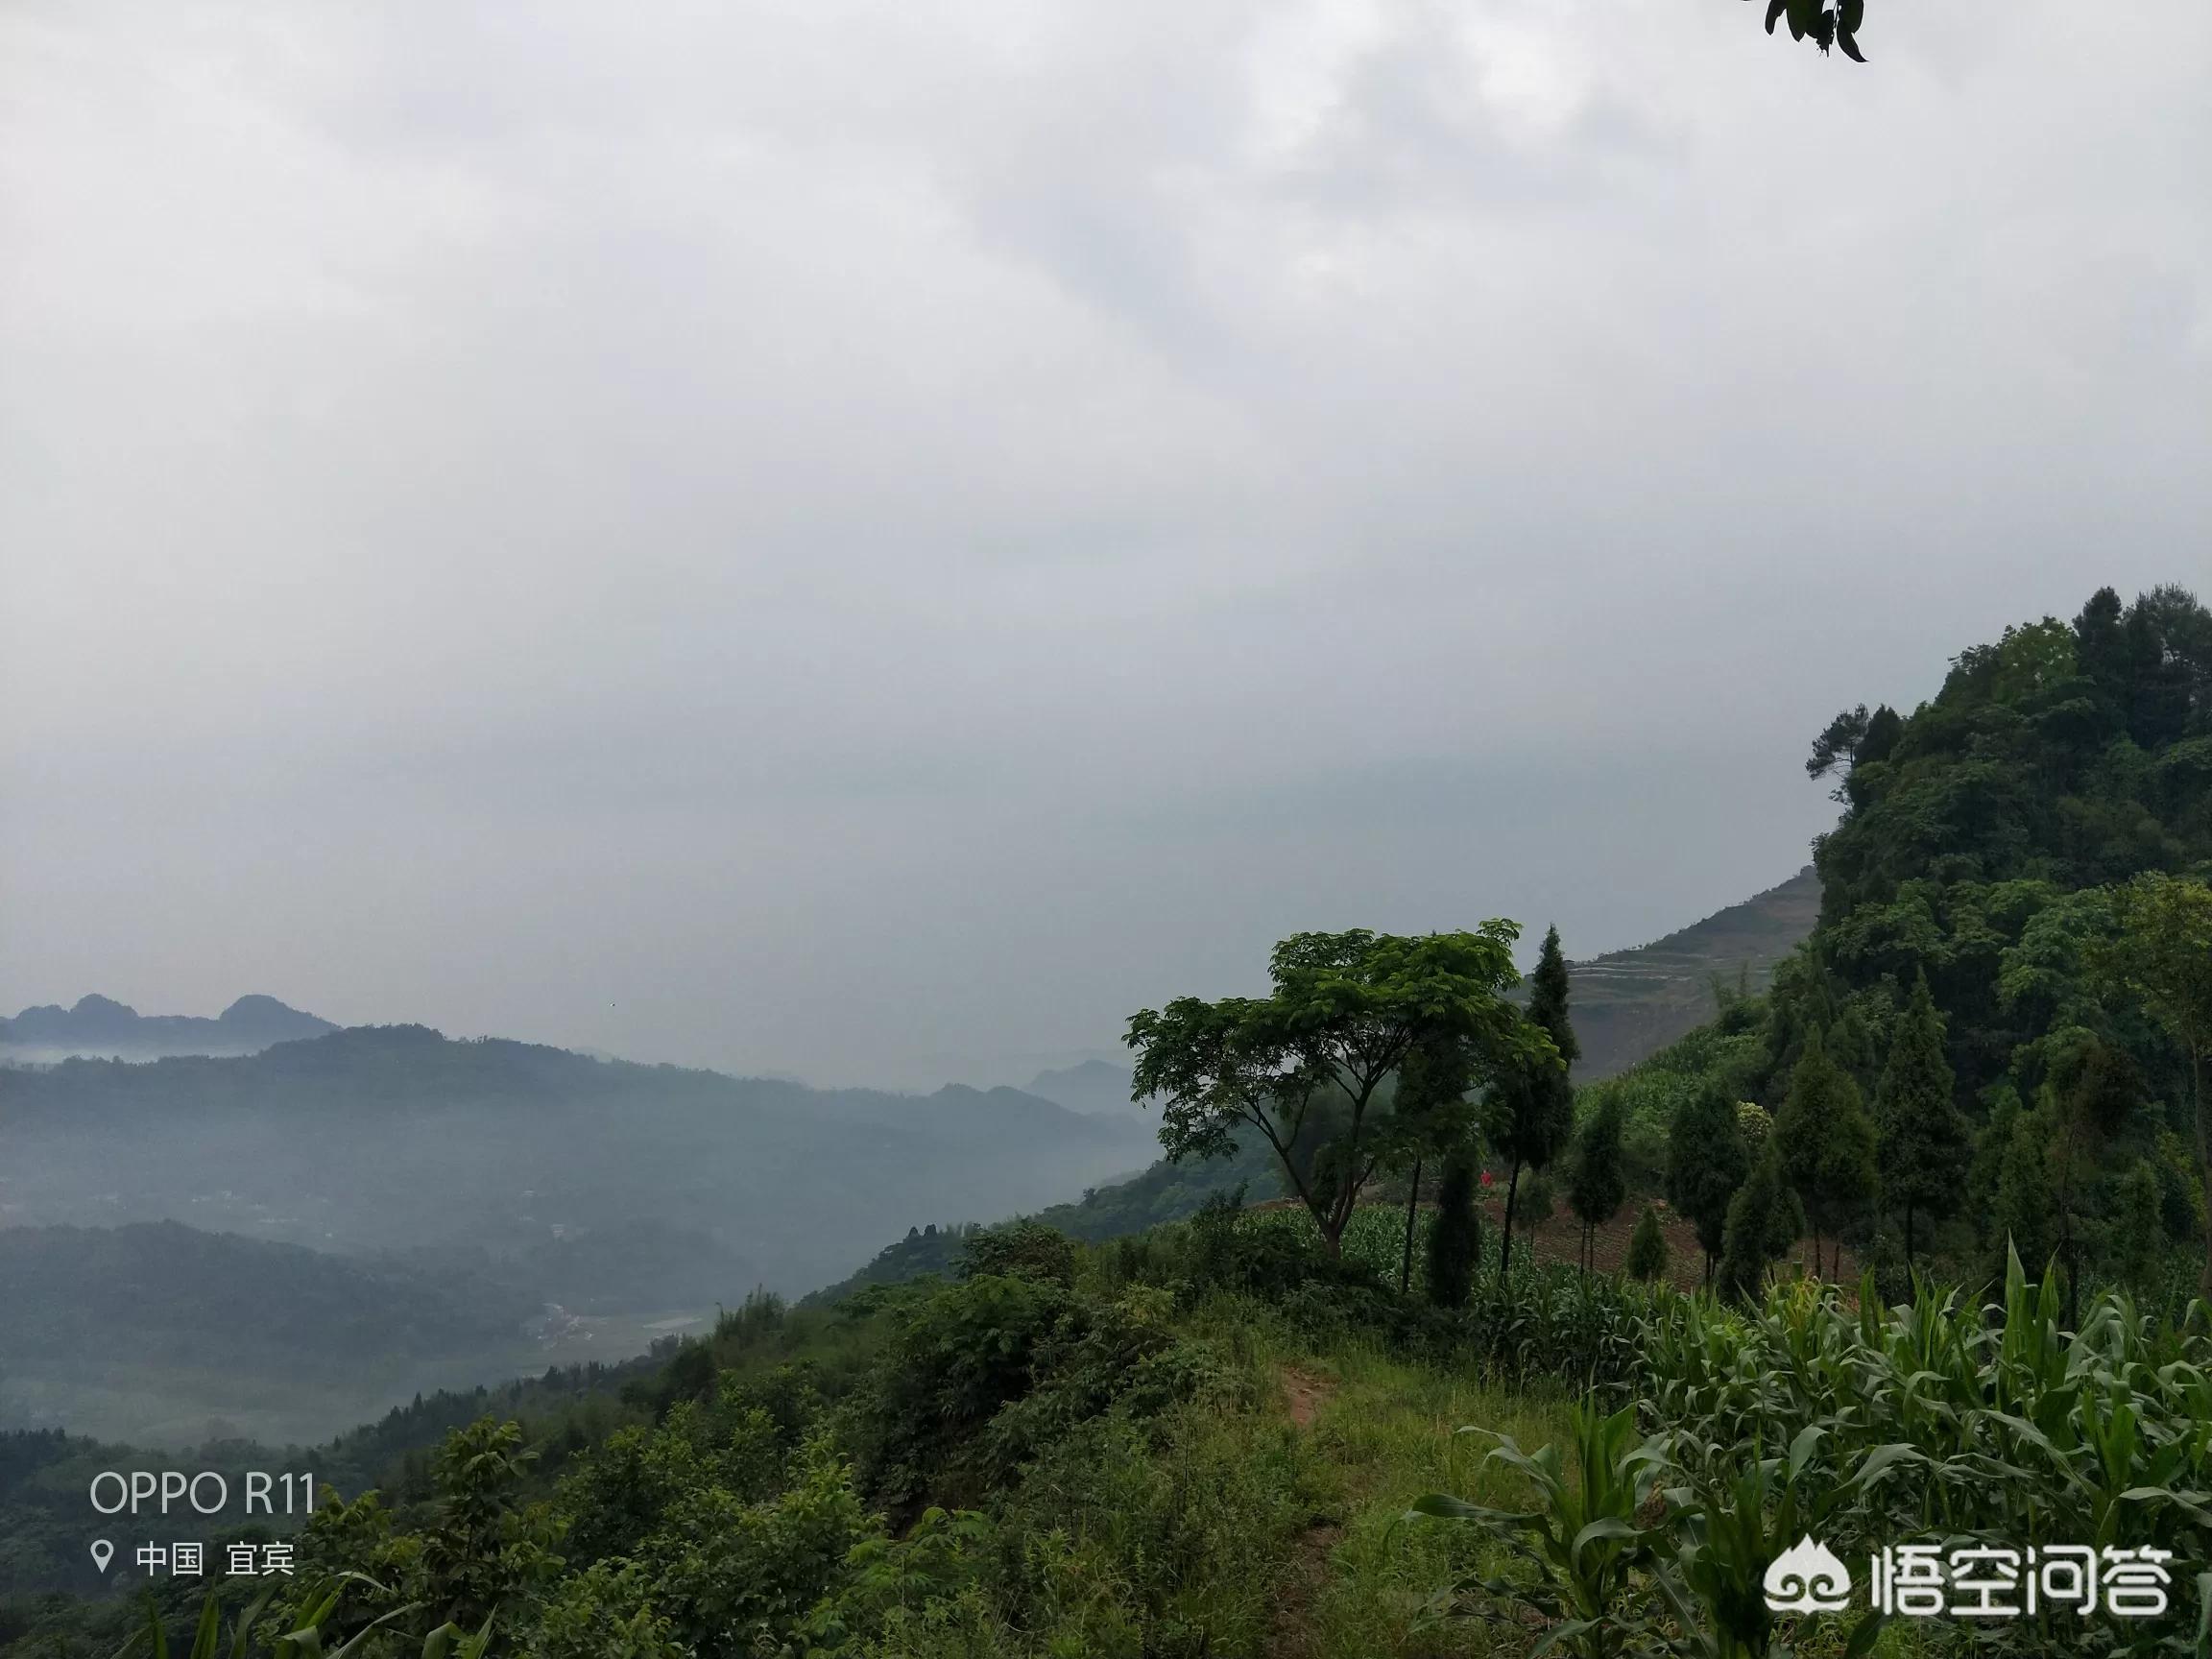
{"x": 98, "y": 1026}
{"x": 1096, "y": 1085}
{"x": 392, "y": 1137}
{"x": 1627, "y": 1004}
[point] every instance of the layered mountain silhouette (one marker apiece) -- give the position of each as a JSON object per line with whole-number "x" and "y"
{"x": 392, "y": 1137}
{"x": 98, "y": 1026}
{"x": 1096, "y": 1086}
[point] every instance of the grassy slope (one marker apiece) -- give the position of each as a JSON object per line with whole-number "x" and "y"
{"x": 1630, "y": 1004}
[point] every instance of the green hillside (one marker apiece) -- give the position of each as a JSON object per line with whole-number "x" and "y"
{"x": 1632, "y": 1004}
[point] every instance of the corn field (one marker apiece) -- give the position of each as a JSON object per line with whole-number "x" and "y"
{"x": 1927, "y": 1423}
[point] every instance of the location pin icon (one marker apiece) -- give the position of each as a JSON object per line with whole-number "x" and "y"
{"x": 103, "y": 1552}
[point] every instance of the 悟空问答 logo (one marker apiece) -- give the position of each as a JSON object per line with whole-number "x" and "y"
{"x": 1807, "y": 1577}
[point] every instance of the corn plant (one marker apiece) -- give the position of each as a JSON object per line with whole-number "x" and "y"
{"x": 1932, "y": 1420}
{"x": 1587, "y": 1539}
{"x": 306, "y": 1640}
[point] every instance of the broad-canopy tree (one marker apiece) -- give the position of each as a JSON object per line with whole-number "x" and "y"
{"x": 1345, "y": 1012}
{"x": 1530, "y": 1112}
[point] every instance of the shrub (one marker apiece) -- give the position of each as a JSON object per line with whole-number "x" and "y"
{"x": 1538, "y": 1201}
{"x": 1024, "y": 1249}
{"x": 1647, "y": 1246}
{"x": 1763, "y": 1220}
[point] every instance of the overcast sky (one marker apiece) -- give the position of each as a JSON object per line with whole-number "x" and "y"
{"x": 871, "y": 541}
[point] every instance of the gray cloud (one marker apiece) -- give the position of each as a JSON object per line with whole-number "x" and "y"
{"x": 873, "y": 542}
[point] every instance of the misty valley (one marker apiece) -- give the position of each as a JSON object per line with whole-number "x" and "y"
{"x": 283, "y": 1244}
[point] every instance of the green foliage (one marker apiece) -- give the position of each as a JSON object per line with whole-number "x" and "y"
{"x": 1539, "y": 1199}
{"x": 959, "y": 1353}
{"x": 1019, "y": 1249}
{"x": 1530, "y": 1112}
{"x": 605, "y": 1612}
{"x": 481, "y": 1548}
{"x": 2137, "y": 1228}
{"x": 2180, "y": 1186}
{"x": 1596, "y": 1182}
{"x": 1860, "y": 1426}
{"x": 1706, "y": 1163}
{"x": 1824, "y": 1141}
{"x": 1647, "y": 1247}
{"x": 2163, "y": 957}
{"x": 1583, "y": 1538}
{"x": 1346, "y": 1011}
{"x": 2024, "y": 1214}
{"x": 1921, "y": 1139}
{"x": 1455, "y": 1237}
{"x": 1728, "y": 1055}
{"x": 2013, "y": 911}
{"x": 1764, "y": 1218}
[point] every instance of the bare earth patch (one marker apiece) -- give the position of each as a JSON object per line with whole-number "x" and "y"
{"x": 1308, "y": 1569}
{"x": 1560, "y": 1240}
{"x": 1306, "y": 1394}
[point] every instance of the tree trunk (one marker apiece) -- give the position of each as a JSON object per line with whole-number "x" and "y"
{"x": 1505, "y": 1250}
{"x": 1331, "y": 1230}
{"x": 1907, "y": 1237}
{"x": 1412, "y": 1204}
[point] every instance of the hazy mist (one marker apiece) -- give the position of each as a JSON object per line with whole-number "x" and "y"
{"x": 665, "y": 531}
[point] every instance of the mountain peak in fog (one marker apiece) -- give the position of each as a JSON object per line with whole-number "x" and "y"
{"x": 96, "y": 1024}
